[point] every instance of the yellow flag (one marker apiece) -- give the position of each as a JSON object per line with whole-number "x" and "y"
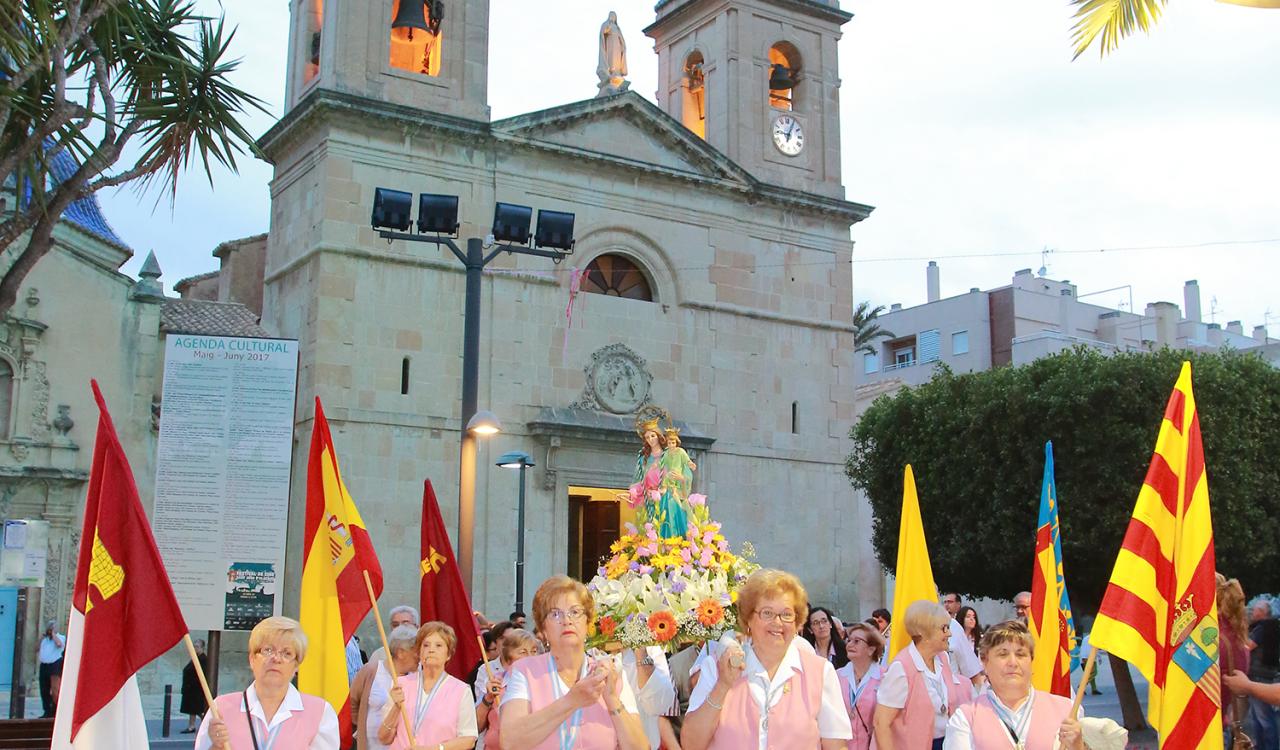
{"x": 914, "y": 575}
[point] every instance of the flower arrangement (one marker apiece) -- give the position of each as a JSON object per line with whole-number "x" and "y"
{"x": 668, "y": 591}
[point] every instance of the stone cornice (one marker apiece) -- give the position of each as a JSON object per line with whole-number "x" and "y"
{"x": 812, "y": 8}
{"x": 751, "y": 312}
{"x": 722, "y": 172}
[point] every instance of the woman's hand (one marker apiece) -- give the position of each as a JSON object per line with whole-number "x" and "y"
{"x": 1070, "y": 735}
{"x": 218, "y": 734}
{"x": 588, "y": 689}
{"x": 494, "y": 690}
{"x": 730, "y": 665}
{"x": 397, "y": 696}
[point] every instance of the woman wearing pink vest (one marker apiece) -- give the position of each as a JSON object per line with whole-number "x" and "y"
{"x": 773, "y": 693}
{"x": 859, "y": 680}
{"x": 436, "y": 705}
{"x": 514, "y": 645}
{"x": 1013, "y": 714}
{"x": 564, "y": 700}
{"x": 271, "y": 712}
{"x": 919, "y": 692}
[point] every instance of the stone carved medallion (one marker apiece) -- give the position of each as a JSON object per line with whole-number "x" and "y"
{"x": 617, "y": 381}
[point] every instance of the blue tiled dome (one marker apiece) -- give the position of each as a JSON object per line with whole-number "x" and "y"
{"x": 83, "y": 212}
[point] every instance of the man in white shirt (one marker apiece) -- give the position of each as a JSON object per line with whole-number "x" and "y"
{"x": 961, "y": 651}
{"x": 647, "y": 670}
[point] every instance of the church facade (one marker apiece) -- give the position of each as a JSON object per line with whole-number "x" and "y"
{"x": 710, "y": 277}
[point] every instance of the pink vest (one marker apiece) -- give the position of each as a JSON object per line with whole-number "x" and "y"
{"x": 913, "y": 727}
{"x": 863, "y": 728}
{"x": 793, "y": 720}
{"x": 296, "y": 731}
{"x": 1047, "y": 715}
{"x": 441, "y": 722}
{"x": 595, "y": 732}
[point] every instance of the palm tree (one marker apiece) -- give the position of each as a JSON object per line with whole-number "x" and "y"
{"x": 865, "y": 328}
{"x": 81, "y": 80}
{"x": 1117, "y": 19}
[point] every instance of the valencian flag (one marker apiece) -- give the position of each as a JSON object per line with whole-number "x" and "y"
{"x": 1159, "y": 612}
{"x": 1050, "y": 618}
{"x": 123, "y": 611}
{"x": 336, "y": 553}
{"x": 913, "y": 576}
{"x": 443, "y": 596}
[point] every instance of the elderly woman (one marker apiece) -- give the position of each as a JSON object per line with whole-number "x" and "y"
{"x": 437, "y": 705}
{"x": 271, "y": 710}
{"x": 373, "y": 710}
{"x": 563, "y": 699}
{"x": 920, "y": 690}
{"x": 859, "y": 680}
{"x": 1012, "y": 713}
{"x": 515, "y": 644}
{"x": 769, "y": 692}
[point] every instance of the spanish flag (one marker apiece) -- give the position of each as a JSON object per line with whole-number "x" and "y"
{"x": 123, "y": 611}
{"x": 913, "y": 575}
{"x": 1159, "y": 611}
{"x": 336, "y": 553}
{"x": 1050, "y": 619}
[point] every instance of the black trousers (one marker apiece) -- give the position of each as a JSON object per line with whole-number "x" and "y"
{"x": 47, "y": 673}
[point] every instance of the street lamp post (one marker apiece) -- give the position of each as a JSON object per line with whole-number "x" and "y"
{"x": 438, "y": 224}
{"x": 518, "y": 460}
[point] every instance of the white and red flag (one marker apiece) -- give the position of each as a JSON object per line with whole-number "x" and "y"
{"x": 123, "y": 611}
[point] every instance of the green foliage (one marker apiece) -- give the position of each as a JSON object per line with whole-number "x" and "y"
{"x": 866, "y": 327}
{"x": 976, "y": 442}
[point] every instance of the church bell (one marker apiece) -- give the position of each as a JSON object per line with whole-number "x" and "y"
{"x": 409, "y": 16}
{"x": 780, "y": 78}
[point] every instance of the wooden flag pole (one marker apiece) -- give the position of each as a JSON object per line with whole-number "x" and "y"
{"x": 204, "y": 684}
{"x": 391, "y": 664}
{"x": 1084, "y": 682}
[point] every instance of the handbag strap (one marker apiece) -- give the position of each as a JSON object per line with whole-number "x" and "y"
{"x": 253, "y": 735}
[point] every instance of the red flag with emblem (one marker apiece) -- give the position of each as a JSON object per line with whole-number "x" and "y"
{"x": 124, "y": 613}
{"x": 443, "y": 597}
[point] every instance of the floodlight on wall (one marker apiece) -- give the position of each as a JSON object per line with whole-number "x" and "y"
{"x": 391, "y": 209}
{"x": 515, "y": 460}
{"x": 555, "y": 230}
{"x": 511, "y": 223}
{"x": 438, "y": 214}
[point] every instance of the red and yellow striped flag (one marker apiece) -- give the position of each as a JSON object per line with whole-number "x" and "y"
{"x": 336, "y": 553}
{"x": 1159, "y": 612}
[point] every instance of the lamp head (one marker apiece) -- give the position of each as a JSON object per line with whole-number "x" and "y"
{"x": 391, "y": 209}
{"x": 484, "y": 423}
{"x": 511, "y": 223}
{"x": 515, "y": 460}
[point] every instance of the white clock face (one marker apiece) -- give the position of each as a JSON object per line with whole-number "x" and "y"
{"x": 788, "y": 136}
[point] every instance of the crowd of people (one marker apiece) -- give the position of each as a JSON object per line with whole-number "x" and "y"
{"x": 794, "y": 677}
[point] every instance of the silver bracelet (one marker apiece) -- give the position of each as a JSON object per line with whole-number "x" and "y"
{"x": 713, "y": 704}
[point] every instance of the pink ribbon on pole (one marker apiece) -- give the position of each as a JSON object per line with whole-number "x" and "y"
{"x": 575, "y": 286}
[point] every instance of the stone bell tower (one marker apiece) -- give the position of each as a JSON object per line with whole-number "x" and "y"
{"x": 759, "y": 80}
{"x": 426, "y": 54}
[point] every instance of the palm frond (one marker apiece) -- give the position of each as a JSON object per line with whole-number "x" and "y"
{"x": 1113, "y": 20}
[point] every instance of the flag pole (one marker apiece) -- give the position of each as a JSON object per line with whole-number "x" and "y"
{"x": 391, "y": 663}
{"x": 484, "y": 659}
{"x": 204, "y": 684}
{"x": 1084, "y": 681}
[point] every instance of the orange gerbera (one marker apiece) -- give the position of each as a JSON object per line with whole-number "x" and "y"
{"x": 607, "y": 626}
{"x": 663, "y": 626}
{"x": 710, "y": 613}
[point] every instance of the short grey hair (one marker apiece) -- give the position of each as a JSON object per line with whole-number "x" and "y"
{"x": 403, "y": 608}
{"x": 402, "y": 638}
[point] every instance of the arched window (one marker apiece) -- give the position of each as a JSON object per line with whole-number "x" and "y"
{"x": 784, "y": 67}
{"x": 616, "y": 276}
{"x": 6, "y": 397}
{"x": 693, "y": 110}
{"x": 416, "y": 36}
{"x": 312, "y": 23}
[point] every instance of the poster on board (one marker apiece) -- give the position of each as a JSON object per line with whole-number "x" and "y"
{"x": 223, "y": 465}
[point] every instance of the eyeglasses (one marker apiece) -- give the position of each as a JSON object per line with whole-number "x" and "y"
{"x": 1021, "y": 607}
{"x": 284, "y": 654}
{"x": 768, "y": 615}
{"x": 824, "y": 622}
{"x": 863, "y": 641}
{"x": 573, "y": 614}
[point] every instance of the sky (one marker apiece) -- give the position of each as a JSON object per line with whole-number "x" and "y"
{"x": 981, "y": 144}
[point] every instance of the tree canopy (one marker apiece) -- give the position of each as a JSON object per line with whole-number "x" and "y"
{"x": 976, "y": 443}
{"x": 86, "y": 78}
